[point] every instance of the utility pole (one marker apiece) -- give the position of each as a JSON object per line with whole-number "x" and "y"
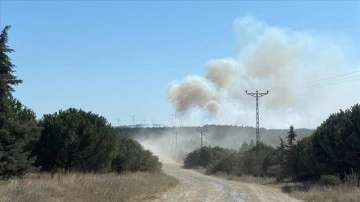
{"x": 174, "y": 126}
{"x": 201, "y": 131}
{"x": 118, "y": 120}
{"x": 176, "y": 133}
{"x": 257, "y": 95}
{"x": 133, "y": 119}
{"x": 173, "y": 120}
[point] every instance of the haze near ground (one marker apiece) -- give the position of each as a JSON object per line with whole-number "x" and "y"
{"x": 195, "y": 186}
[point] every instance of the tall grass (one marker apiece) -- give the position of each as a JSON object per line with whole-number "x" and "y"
{"x": 317, "y": 192}
{"x": 308, "y": 191}
{"x": 86, "y": 187}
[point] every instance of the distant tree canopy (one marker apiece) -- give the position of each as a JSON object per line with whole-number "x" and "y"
{"x": 18, "y": 128}
{"x": 333, "y": 149}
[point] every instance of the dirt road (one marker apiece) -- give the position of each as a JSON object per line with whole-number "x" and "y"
{"x": 195, "y": 186}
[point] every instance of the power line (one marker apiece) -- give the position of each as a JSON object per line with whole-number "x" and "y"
{"x": 318, "y": 85}
{"x": 257, "y": 95}
{"x": 343, "y": 78}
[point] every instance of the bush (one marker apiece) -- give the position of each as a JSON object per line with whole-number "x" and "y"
{"x": 205, "y": 156}
{"x": 224, "y": 165}
{"x": 330, "y": 180}
{"x": 192, "y": 159}
{"x": 131, "y": 156}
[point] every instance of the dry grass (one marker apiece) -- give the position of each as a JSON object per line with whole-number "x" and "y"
{"x": 317, "y": 192}
{"x": 86, "y": 187}
{"x": 308, "y": 191}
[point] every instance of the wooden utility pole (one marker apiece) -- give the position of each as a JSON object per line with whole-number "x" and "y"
{"x": 201, "y": 131}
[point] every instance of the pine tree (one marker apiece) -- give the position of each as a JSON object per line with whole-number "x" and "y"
{"x": 281, "y": 149}
{"x": 17, "y": 123}
{"x": 291, "y": 137}
{"x": 291, "y": 155}
{"x": 252, "y": 144}
{"x": 244, "y": 147}
{"x": 75, "y": 140}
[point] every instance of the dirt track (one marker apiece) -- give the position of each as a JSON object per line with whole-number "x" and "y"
{"x": 195, "y": 186}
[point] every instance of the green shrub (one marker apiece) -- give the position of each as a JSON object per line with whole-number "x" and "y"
{"x": 192, "y": 159}
{"x": 131, "y": 156}
{"x": 224, "y": 165}
{"x": 330, "y": 180}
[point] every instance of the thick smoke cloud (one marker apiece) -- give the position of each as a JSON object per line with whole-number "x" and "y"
{"x": 269, "y": 58}
{"x": 199, "y": 92}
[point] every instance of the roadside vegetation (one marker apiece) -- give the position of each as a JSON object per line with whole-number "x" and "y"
{"x": 70, "y": 155}
{"x": 138, "y": 186}
{"x": 326, "y": 162}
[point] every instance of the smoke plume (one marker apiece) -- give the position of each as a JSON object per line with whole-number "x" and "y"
{"x": 290, "y": 64}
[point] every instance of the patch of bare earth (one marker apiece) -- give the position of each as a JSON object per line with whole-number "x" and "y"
{"x": 86, "y": 187}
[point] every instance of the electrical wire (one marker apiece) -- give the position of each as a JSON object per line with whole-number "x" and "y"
{"x": 338, "y": 79}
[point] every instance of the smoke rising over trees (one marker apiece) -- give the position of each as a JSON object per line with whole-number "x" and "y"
{"x": 293, "y": 65}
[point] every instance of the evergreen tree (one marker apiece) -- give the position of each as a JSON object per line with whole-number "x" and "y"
{"x": 282, "y": 144}
{"x": 244, "y": 147}
{"x": 291, "y": 137}
{"x": 281, "y": 150}
{"x": 252, "y": 144}
{"x": 75, "y": 139}
{"x": 336, "y": 142}
{"x": 291, "y": 155}
{"x": 17, "y": 123}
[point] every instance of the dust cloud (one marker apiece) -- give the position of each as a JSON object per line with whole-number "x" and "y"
{"x": 290, "y": 64}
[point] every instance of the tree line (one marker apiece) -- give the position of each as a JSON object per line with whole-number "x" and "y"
{"x": 332, "y": 150}
{"x": 69, "y": 140}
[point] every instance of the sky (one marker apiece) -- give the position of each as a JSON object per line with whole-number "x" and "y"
{"x": 119, "y": 58}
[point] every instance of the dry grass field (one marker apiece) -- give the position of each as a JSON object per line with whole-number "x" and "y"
{"x": 316, "y": 192}
{"x": 86, "y": 187}
{"x": 310, "y": 191}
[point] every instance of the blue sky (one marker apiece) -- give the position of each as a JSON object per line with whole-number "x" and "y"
{"x": 117, "y": 58}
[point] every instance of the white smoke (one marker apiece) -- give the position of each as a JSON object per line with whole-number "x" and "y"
{"x": 275, "y": 59}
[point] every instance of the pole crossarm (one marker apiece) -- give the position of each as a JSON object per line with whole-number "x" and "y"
{"x": 257, "y": 95}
